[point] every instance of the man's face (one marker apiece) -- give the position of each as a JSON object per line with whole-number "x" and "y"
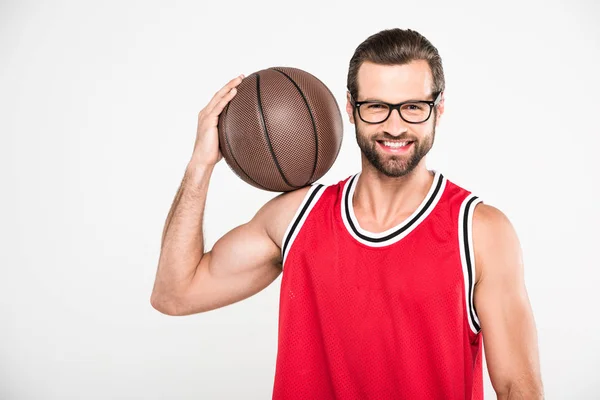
{"x": 379, "y": 142}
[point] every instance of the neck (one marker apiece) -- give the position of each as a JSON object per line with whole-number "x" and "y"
{"x": 384, "y": 200}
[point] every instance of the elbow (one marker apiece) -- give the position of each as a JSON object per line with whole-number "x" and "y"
{"x": 523, "y": 390}
{"x": 164, "y": 304}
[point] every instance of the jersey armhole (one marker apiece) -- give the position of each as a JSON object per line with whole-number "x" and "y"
{"x": 467, "y": 257}
{"x": 309, "y": 201}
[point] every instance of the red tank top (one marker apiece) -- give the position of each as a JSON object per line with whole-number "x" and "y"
{"x": 385, "y": 315}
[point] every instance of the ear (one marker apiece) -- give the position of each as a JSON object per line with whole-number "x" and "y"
{"x": 440, "y": 108}
{"x": 349, "y": 108}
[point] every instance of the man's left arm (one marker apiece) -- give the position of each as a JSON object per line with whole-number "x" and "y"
{"x": 503, "y": 308}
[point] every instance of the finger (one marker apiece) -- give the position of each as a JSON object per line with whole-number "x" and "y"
{"x": 223, "y": 91}
{"x": 218, "y": 108}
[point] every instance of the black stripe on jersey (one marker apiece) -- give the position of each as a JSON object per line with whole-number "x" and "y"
{"x": 392, "y": 235}
{"x": 467, "y": 249}
{"x": 298, "y": 219}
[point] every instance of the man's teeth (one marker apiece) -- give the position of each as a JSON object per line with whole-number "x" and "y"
{"x": 395, "y": 144}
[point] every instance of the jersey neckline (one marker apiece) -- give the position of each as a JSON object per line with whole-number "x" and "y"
{"x": 397, "y": 232}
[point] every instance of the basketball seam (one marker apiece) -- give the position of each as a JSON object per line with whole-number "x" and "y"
{"x": 231, "y": 150}
{"x": 312, "y": 118}
{"x": 264, "y": 125}
{"x": 339, "y": 113}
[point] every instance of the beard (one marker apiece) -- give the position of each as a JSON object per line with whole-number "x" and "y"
{"x": 394, "y": 166}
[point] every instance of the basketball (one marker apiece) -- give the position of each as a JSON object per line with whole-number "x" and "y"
{"x": 282, "y": 130}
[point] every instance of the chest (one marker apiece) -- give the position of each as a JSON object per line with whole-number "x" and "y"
{"x": 413, "y": 270}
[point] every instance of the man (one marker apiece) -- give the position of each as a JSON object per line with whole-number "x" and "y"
{"x": 393, "y": 278}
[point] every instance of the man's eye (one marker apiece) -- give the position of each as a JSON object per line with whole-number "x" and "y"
{"x": 376, "y": 106}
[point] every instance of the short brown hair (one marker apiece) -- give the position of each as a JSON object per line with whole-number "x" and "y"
{"x": 396, "y": 47}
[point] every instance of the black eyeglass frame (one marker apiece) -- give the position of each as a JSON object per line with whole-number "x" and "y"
{"x": 392, "y": 107}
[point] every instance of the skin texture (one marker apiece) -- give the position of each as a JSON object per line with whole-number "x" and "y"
{"x": 391, "y": 186}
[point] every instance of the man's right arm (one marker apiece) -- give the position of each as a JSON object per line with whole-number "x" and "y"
{"x": 241, "y": 263}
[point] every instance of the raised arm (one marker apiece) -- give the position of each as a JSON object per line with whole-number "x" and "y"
{"x": 502, "y": 304}
{"x": 241, "y": 263}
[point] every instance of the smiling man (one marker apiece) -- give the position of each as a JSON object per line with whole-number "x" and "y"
{"x": 393, "y": 279}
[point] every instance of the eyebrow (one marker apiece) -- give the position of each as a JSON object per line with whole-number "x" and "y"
{"x": 372, "y": 99}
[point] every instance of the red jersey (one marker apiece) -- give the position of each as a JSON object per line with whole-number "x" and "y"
{"x": 384, "y": 315}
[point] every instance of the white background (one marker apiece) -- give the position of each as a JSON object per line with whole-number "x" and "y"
{"x": 98, "y": 112}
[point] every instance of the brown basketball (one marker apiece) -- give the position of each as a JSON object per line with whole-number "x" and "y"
{"x": 282, "y": 130}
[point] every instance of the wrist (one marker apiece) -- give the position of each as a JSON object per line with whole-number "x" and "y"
{"x": 197, "y": 161}
{"x": 197, "y": 169}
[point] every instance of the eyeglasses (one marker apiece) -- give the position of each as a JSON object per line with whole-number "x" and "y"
{"x": 413, "y": 112}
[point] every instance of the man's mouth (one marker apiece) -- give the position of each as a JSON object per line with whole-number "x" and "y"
{"x": 395, "y": 146}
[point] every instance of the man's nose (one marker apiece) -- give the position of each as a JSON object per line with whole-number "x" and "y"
{"x": 395, "y": 125}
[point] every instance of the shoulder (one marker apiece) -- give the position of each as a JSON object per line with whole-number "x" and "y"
{"x": 279, "y": 212}
{"x": 489, "y": 223}
{"x": 495, "y": 241}
{"x": 496, "y": 247}
{"x": 276, "y": 215}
